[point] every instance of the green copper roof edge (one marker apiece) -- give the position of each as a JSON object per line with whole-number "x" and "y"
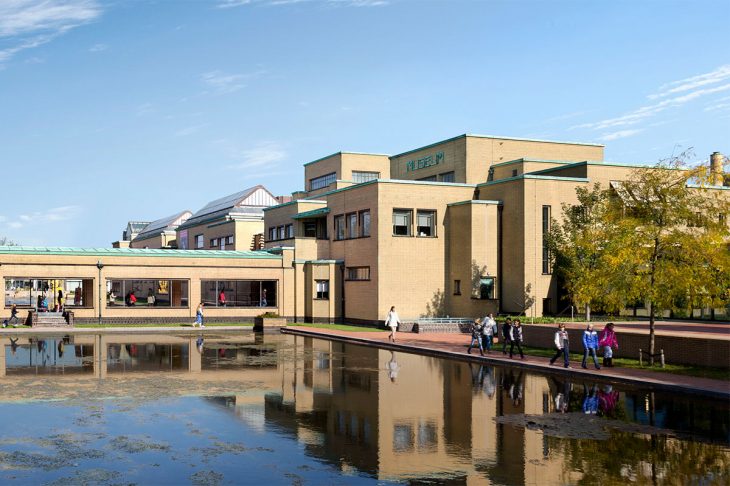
{"x": 315, "y": 201}
{"x": 539, "y": 161}
{"x": 476, "y": 201}
{"x": 342, "y": 152}
{"x": 533, "y": 177}
{"x": 313, "y": 212}
{"x": 135, "y": 252}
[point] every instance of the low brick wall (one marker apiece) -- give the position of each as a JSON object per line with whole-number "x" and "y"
{"x": 687, "y": 350}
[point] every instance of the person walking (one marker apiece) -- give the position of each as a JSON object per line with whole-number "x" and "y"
{"x": 476, "y": 337}
{"x": 487, "y": 332}
{"x": 590, "y": 346}
{"x": 515, "y": 338}
{"x": 199, "y": 316}
{"x": 222, "y": 298}
{"x": 607, "y": 340}
{"x": 506, "y": 327}
{"x": 13, "y": 321}
{"x": 562, "y": 345}
{"x": 392, "y": 322}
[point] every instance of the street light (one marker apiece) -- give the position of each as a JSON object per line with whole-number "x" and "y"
{"x": 99, "y": 265}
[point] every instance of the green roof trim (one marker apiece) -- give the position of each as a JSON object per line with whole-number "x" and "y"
{"x": 533, "y": 177}
{"x": 311, "y": 214}
{"x": 343, "y": 153}
{"x": 133, "y": 252}
{"x": 395, "y": 181}
{"x": 476, "y": 201}
{"x": 539, "y": 161}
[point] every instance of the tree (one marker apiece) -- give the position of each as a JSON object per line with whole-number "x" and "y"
{"x": 5, "y": 241}
{"x": 660, "y": 237}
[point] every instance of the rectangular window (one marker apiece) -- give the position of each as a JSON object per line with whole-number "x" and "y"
{"x": 339, "y": 227}
{"x": 365, "y": 223}
{"x": 360, "y": 176}
{"x": 427, "y": 179}
{"x": 358, "y": 273}
{"x": 238, "y": 293}
{"x": 222, "y": 242}
{"x": 447, "y": 177}
{"x": 514, "y": 172}
{"x": 402, "y": 222}
{"x": 146, "y": 293}
{"x": 352, "y": 225}
{"x": 323, "y": 289}
{"x": 322, "y": 181}
{"x": 486, "y": 287}
{"x": 457, "y": 287}
{"x": 282, "y": 232}
{"x": 426, "y": 223}
{"x": 199, "y": 241}
{"x": 213, "y": 242}
{"x": 290, "y": 231}
{"x": 230, "y": 240}
{"x": 310, "y": 229}
{"x": 47, "y": 294}
{"x": 545, "y": 249}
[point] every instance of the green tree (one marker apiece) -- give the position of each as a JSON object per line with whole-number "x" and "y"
{"x": 660, "y": 237}
{"x": 5, "y": 241}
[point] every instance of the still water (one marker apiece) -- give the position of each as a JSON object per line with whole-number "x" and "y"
{"x": 249, "y": 409}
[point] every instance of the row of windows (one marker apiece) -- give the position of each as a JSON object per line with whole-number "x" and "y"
{"x": 360, "y": 176}
{"x": 445, "y": 177}
{"x": 283, "y": 232}
{"x": 403, "y": 222}
{"x": 221, "y": 242}
{"x": 322, "y": 181}
{"x": 352, "y": 225}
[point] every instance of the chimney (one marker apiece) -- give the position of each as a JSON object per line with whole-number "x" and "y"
{"x": 716, "y": 161}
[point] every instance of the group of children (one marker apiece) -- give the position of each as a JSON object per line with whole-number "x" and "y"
{"x": 484, "y": 331}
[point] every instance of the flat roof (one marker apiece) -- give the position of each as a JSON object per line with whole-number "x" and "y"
{"x": 341, "y": 152}
{"x": 133, "y": 252}
{"x": 532, "y": 176}
{"x": 495, "y": 137}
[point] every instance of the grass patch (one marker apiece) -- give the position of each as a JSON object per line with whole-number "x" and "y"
{"x": 343, "y": 327}
{"x": 686, "y": 370}
{"x": 181, "y": 325}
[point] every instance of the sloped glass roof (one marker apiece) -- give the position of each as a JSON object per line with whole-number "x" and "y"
{"x": 163, "y": 223}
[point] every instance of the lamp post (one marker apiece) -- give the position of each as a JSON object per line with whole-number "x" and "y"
{"x": 99, "y": 265}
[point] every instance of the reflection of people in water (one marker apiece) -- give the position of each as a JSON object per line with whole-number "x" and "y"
{"x": 60, "y": 348}
{"x": 607, "y": 400}
{"x": 561, "y": 394}
{"x": 515, "y": 390}
{"x": 590, "y": 400}
{"x": 393, "y": 367}
{"x": 199, "y": 343}
{"x": 482, "y": 378}
{"x": 13, "y": 345}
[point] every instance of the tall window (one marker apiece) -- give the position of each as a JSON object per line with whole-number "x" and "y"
{"x": 238, "y": 293}
{"x": 310, "y": 229}
{"x": 199, "y": 241}
{"x": 457, "y": 287}
{"x": 272, "y": 233}
{"x": 44, "y": 293}
{"x": 339, "y": 227}
{"x": 365, "y": 223}
{"x": 447, "y": 177}
{"x": 322, "y": 181}
{"x": 230, "y": 240}
{"x": 402, "y": 222}
{"x": 290, "y": 231}
{"x": 486, "y": 287}
{"x": 545, "y": 230}
{"x": 147, "y": 293}
{"x": 352, "y": 225}
{"x": 358, "y": 273}
{"x": 426, "y": 223}
{"x": 282, "y": 232}
{"x": 323, "y": 289}
{"x": 360, "y": 176}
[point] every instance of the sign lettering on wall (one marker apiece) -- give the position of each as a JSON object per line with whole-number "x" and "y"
{"x": 423, "y": 162}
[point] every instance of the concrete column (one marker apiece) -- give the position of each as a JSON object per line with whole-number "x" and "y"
{"x": 194, "y": 355}
{"x": 100, "y": 356}
{"x": 2, "y": 358}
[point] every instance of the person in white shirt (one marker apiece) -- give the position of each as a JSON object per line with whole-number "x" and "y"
{"x": 488, "y": 327}
{"x": 392, "y": 322}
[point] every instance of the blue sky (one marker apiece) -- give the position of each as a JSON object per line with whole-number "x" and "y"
{"x": 119, "y": 110}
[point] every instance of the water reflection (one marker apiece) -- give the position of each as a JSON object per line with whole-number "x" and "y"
{"x": 393, "y": 416}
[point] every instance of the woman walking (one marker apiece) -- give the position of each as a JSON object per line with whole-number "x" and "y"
{"x": 607, "y": 340}
{"x": 590, "y": 346}
{"x": 392, "y": 322}
{"x": 506, "y": 327}
{"x": 561, "y": 344}
{"x": 199, "y": 316}
{"x": 515, "y": 337}
{"x": 487, "y": 332}
{"x": 476, "y": 337}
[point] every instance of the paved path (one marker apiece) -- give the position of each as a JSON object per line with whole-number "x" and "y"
{"x": 455, "y": 346}
{"x": 709, "y": 330}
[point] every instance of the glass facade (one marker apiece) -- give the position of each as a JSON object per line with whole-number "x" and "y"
{"x": 239, "y": 293}
{"x": 49, "y": 293}
{"x": 147, "y": 293}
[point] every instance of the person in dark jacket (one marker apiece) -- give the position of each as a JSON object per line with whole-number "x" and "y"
{"x": 476, "y": 337}
{"x": 506, "y": 328}
{"x": 590, "y": 346}
{"x": 515, "y": 338}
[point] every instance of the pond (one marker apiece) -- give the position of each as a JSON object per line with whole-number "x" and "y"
{"x": 250, "y": 408}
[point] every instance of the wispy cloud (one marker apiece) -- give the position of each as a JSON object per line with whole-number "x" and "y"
{"x": 262, "y": 155}
{"x": 98, "y": 48}
{"x": 719, "y": 104}
{"x": 52, "y": 215}
{"x": 669, "y": 97}
{"x": 26, "y": 24}
{"x": 335, "y": 3}
{"x": 607, "y": 137}
{"x": 184, "y": 132}
{"x": 220, "y": 82}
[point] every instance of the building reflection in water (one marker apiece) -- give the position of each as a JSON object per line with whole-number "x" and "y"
{"x": 400, "y": 416}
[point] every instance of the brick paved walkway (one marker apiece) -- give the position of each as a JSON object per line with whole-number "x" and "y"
{"x": 455, "y": 346}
